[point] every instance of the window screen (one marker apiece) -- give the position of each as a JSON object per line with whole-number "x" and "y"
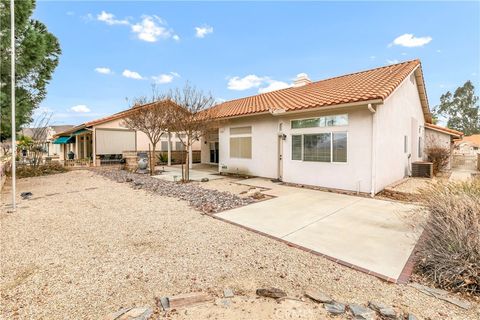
{"x": 297, "y": 147}
{"x": 339, "y": 147}
{"x": 241, "y": 147}
{"x": 316, "y": 147}
{"x": 241, "y": 130}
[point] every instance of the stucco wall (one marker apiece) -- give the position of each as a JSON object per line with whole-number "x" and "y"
{"x": 436, "y": 138}
{"x": 142, "y": 139}
{"x": 264, "y": 147}
{"x": 401, "y": 115}
{"x": 354, "y": 174}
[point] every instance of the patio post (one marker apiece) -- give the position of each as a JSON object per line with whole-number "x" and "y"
{"x": 169, "y": 149}
{"x": 76, "y": 147}
{"x": 85, "y": 146}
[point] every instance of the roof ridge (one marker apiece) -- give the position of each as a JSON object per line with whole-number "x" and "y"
{"x": 326, "y": 79}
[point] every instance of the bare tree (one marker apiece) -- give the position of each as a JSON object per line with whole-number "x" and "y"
{"x": 152, "y": 117}
{"x": 39, "y": 134}
{"x": 192, "y": 118}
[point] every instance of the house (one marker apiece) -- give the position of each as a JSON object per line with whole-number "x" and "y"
{"x": 468, "y": 146}
{"x": 106, "y": 139}
{"x": 45, "y": 137}
{"x": 357, "y": 132}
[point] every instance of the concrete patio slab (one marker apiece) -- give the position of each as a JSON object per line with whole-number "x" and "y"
{"x": 371, "y": 234}
{"x": 174, "y": 173}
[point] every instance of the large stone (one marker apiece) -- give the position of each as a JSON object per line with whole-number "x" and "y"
{"x": 271, "y": 293}
{"x": 318, "y": 296}
{"x": 384, "y": 310}
{"x": 411, "y": 317}
{"x": 188, "y": 299}
{"x": 361, "y": 312}
{"x": 143, "y": 313}
{"x": 335, "y": 307}
{"x": 228, "y": 293}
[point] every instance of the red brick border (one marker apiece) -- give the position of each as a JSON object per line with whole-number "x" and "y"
{"x": 404, "y": 275}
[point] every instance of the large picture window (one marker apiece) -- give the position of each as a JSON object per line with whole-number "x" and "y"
{"x": 320, "y": 147}
{"x": 327, "y": 121}
{"x": 241, "y": 142}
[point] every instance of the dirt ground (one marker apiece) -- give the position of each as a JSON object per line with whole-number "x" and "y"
{"x": 84, "y": 246}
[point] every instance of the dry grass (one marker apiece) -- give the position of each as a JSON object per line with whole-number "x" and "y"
{"x": 450, "y": 255}
{"x": 42, "y": 170}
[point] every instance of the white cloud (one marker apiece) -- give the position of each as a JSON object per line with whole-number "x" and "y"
{"x": 151, "y": 28}
{"x": 247, "y": 82}
{"x": 373, "y": 57}
{"x": 109, "y": 18}
{"x": 394, "y": 61}
{"x": 404, "y": 53}
{"x": 70, "y": 13}
{"x": 409, "y": 40}
{"x": 176, "y": 37}
{"x": 81, "y": 108}
{"x": 131, "y": 74}
{"x": 103, "y": 70}
{"x": 201, "y": 32}
{"x": 274, "y": 85}
{"x": 165, "y": 78}
{"x": 439, "y": 51}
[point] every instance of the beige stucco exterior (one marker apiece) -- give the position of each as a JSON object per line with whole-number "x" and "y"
{"x": 376, "y": 155}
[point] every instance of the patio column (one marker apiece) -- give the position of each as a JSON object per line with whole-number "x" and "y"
{"x": 169, "y": 149}
{"x": 94, "y": 149}
{"x": 76, "y": 146}
{"x": 84, "y": 146}
{"x": 190, "y": 160}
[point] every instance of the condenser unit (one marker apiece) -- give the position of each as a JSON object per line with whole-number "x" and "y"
{"x": 422, "y": 169}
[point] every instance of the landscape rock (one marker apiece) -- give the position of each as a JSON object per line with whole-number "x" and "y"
{"x": 204, "y": 200}
{"x": 228, "y": 293}
{"x": 26, "y": 195}
{"x": 318, "y": 296}
{"x": 361, "y": 312}
{"x": 271, "y": 293}
{"x": 188, "y": 299}
{"x": 411, "y": 317}
{"x": 142, "y": 313}
{"x": 384, "y": 310}
{"x": 335, "y": 308}
{"x": 204, "y": 180}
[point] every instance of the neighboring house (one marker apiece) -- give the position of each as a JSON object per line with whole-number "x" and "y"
{"x": 107, "y": 138}
{"x": 442, "y": 137}
{"x": 45, "y": 137}
{"x": 468, "y": 146}
{"x": 357, "y": 132}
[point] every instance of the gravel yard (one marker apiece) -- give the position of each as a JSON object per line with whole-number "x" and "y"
{"x": 84, "y": 246}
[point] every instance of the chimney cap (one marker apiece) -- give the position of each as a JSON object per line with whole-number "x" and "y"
{"x": 301, "y": 80}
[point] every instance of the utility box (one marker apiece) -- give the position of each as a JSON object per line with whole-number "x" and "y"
{"x": 422, "y": 169}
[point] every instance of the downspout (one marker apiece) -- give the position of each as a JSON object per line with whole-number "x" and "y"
{"x": 374, "y": 147}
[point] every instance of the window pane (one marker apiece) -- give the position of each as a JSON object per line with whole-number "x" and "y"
{"x": 241, "y": 130}
{"x": 164, "y": 146}
{"x": 337, "y": 120}
{"x": 339, "y": 147}
{"x": 316, "y": 147}
{"x": 297, "y": 147}
{"x": 241, "y": 147}
{"x": 306, "y": 123}
{"x": 179, "y": 146}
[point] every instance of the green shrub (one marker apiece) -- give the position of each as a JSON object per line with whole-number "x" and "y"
{"x": 162, "y": 158}
{"x": 450, "y": 254}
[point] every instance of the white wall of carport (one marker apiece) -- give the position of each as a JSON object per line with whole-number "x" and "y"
{"x": 393, "y": 121}
{"x": 142, "y": 140}
{"x": 264, "y": 147}
{"x": 353, "y": 175}
{"x": 436, "y": 138}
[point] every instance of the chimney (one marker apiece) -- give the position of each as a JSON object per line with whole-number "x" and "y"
{"x": 301, "y": 80}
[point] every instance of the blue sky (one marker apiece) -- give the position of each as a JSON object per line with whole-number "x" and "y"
{"x": 114, "y": 51}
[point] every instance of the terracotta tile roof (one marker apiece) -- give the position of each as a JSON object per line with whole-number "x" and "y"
{"x": 449, "y": 131}
{"x": 361, "y": 86}
{"x": 473, "y": 140}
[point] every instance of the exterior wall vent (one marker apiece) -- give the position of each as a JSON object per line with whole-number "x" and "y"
{"x": 422, "y": 169}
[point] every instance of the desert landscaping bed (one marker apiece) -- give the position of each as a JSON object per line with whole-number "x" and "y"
{"x": 84, "y": 246}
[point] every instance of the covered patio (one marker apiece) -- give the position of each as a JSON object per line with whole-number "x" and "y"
{"x": 76, "y": 148}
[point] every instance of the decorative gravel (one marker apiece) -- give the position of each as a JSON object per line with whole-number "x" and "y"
{"x": 202, "y": 199}
{"x": 84, "y": 246}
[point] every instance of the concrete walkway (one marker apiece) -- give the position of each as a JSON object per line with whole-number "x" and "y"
{"x": 372, "y": 234}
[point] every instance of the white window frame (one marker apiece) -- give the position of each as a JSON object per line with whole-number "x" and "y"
{"x": 241, "y": 135}
{"x": 331, "y": 147}
{"x": 324, "y": 116}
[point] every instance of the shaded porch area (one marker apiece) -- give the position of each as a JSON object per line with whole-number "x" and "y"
{"x": 198, "y": 172}
{"x": 76, "y": 149}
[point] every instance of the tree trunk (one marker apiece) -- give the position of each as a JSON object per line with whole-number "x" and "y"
{"x": 152, "y": 159}
{"x": 187, "y": 167}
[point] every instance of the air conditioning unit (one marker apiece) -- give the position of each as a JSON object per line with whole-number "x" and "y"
{"x": 422, "y": 169}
